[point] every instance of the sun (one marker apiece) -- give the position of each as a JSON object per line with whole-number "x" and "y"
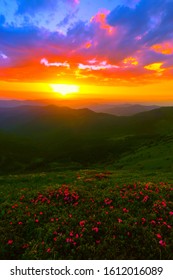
{"x": 64, "y": 89}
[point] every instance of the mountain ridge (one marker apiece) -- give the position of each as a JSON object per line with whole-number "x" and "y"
{"x": 109, "y": 108}
{"x": 39, "y": 137}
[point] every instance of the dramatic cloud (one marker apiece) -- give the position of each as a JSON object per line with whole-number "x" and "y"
{"x": 132, "y": 43}
{"x": 149, "y": 22}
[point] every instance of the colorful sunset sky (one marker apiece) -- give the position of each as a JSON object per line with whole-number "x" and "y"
{"x": 119, "y": 50}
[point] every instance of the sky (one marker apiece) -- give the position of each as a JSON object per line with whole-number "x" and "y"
{"x": 118, "y": 50}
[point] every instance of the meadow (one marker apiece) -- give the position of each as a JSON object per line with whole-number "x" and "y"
{"x": 75, "y": 184}
{"x": 87, "y": 214}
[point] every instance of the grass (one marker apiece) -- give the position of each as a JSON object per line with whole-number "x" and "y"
{"x": 156, "y": 156}
{"x": 112, "y": 212}
{"x": 87, "y": 214}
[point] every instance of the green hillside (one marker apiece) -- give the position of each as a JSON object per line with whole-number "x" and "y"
{"x": 76, "y": 184}
{"x": 50, "y": 138}
{"x": 154, "y": 156}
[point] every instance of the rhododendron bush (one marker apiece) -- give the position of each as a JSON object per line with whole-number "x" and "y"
{"x": 90, "y": 217}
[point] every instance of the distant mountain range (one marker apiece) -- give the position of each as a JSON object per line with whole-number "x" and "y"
{"x": 114, "y": 109}
{"x": 16, "y": 103}
{"x": 125, "y": 110}
{"x": 47, "y": 137}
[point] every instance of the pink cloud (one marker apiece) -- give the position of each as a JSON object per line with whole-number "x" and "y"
{"x": 99, "y": 66}
{"x": 57, "y": 64}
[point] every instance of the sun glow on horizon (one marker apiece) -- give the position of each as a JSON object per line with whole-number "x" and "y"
{"x": 64, "y": 89}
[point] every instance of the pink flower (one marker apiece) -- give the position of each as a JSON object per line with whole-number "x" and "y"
{"x": 55, "y": 239}
{"x": 97, "y": 241}
{"x": 107, "y": 201}
{"x": 163, "y": 203}
{"x": 14, "y": 206}
{"x": 162, "y": 243}
{"x": 36, "y": 221}
{"x": 41, "y": 213}
{"x": 145, "y": 198}
{"x": 69, "y": 240}
{"x": 125, "y": 210}
{"x": 159, "y": 236}
{"x": 25, "y": 246}
{"x": 71, "y": 233}
{"x": 153, "y": 222}
{"x": 119, "y": 220}
{"x": 143, "y": 220}
{"x": 171, "y": 213}
{"x": 82, "y": 223}
{"x": 20, "y": 223}
{"x": 75, "y": 204}
{"x": 10, "y": 242}
{"x": 96, "y": 229}
{"x": 52, "y": 219}
{"x": 48, "y": 250}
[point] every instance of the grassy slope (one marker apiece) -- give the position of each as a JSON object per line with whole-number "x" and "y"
{"x": 50, "y": 138}
{"x": 155, "y": 156}
{"x": 91, "y": 214}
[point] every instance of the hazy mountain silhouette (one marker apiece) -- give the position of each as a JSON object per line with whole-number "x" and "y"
{"x": 125, "y": 110}
{"x": 95, "y": 105}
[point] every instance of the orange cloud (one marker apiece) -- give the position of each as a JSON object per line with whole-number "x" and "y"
{"x": 88, "y": 45}
{"x": 130, "y": 61}
{"x": 155, "y": 67}
{"x": 101, "y": 19}
{"x": 164, "y": 48}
